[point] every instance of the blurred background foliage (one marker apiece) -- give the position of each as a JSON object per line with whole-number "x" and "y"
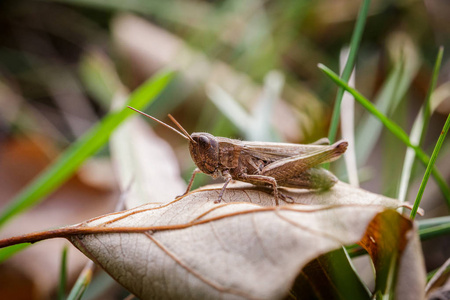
{"x": 242, "y": 65}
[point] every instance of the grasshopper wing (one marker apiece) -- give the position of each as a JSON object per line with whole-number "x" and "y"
{"x": 271, "y": 152}
{"x": 296, "y": 164}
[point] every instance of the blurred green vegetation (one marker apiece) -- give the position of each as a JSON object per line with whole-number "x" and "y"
{"x": 247, "y": 69}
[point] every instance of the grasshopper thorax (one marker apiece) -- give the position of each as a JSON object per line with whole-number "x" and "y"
{"x": 204, "y": 151}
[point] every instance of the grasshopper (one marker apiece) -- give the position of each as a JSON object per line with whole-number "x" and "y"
{"x": 260, "y": 163}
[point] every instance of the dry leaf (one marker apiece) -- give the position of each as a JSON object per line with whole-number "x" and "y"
{"x": 389, "y": 239}
{"x": 192, "y": 248}
{"x": 243, "y": 248}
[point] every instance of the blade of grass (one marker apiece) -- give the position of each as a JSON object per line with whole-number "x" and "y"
{"x": 354, "y": 45}
{"x": 78, "y": 152}
{"x": 6, "y": 253}
{"x": 427, "y": 223}
{"x": 393, "y": 127}
{"x": 430, "y": 166}
{"x": 82, "y": 282}
{"x": 63, "y": 275}
{"x": 434, "y": 231}
{"x": 418, "y": 130}
{"x": 437, "y": 278}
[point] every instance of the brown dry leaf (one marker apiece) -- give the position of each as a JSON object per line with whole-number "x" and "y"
{"x": 392, "y": 239}
{"x": 245, "y": 248}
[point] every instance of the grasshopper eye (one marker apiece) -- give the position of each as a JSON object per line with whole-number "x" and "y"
{"x": 204, "y": 141}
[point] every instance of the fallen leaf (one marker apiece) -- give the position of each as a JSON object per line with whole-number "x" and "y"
{"x": 393, "y": 244}
{"x": 243, "y": 248}
{"x": 192, "y": 248}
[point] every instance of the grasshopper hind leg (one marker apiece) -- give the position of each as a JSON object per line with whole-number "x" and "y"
{"x": 313, "y": 178}
{"x": 262, "y": 180}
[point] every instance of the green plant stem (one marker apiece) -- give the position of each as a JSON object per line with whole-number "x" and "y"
{"x": 393, "y": 127}
{"x": 346, "y": 73}
{"x": 57, "y": 173}
{"x": 430, "y": 166}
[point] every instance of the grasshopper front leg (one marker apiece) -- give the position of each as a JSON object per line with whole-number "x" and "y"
{"x": 228, "y": 177}
{"x": 191, "y": 181}
{"x": 225, "y": 174}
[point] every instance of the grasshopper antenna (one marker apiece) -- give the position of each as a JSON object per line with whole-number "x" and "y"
{"x": 182, "y": 129}
{"x": 186, "y": 135}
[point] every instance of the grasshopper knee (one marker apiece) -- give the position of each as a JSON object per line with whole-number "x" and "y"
{"x": 321, "y": 179}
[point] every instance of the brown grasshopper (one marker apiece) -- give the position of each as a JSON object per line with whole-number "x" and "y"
{"x": 260, "y": 163}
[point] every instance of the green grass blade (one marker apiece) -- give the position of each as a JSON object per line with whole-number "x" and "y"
{"x": 427, "y": 223}
{"x": 6, "y": 253}
{"x": 437, "y": 277}
{"x": 82, "y": 282}
{"x": 418, "y": 130}
{"x": 393, "y": 127}
{"x": 63, "y": 275}
{"x": 430, "y": 166}
{"x": 354, "y": 45}
{"x": 434, "y": 231}
{"x": 78, "y": 152}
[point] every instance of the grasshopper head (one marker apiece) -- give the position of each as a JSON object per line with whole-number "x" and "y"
{"x": 205, "y": 152}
